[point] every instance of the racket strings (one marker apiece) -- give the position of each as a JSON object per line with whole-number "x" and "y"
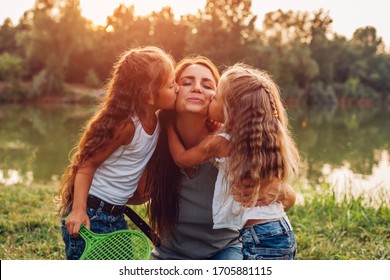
{"x": 120, "y": 246}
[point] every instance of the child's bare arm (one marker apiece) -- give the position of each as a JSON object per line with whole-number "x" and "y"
{"x": 84, "y": 177}
{"x": 209, "y": 147}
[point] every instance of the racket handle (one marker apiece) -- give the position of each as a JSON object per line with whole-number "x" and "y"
{"x": 87, "y": 234}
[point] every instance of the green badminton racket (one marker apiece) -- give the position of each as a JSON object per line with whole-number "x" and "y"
{"x": 117, "y": 245}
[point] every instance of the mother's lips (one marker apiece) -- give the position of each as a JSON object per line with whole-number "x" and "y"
{"x": 195, "y": 99}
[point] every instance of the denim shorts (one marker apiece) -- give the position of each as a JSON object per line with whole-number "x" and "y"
{"x": 229, "y": 253}
{"x": 100, "y": 223}
{"x": 269, "y": 241}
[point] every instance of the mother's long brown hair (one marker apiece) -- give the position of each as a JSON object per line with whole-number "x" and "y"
{"x": 164, "y": 180}
{"x": 138, "y": 74}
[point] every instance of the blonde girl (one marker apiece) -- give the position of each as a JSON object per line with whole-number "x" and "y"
{"x": 255, "y": 146}
{"x": 115, "y": 146}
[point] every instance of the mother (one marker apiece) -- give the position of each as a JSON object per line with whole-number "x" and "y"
{"x": 180, "y": 205}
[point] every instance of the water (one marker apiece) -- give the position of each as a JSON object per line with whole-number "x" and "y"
{"x": 35, "y": 141}
{"x": 347, "y": 148}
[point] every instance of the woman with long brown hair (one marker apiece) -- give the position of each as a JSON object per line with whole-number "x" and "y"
{"x": 180, "y": 206}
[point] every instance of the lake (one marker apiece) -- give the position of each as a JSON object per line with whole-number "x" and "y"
{"x": 347, "y": 148}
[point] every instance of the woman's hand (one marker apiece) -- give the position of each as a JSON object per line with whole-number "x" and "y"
{"x": 274, "y": 192}
{"x": 243, "y": 194}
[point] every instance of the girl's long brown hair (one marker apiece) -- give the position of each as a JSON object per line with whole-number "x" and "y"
{"x": 261, "y": 147}
{"x": 137, "y": 75}
{"x": 164, "y": 180}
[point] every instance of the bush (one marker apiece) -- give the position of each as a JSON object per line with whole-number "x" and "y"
{"x": 13, "y": 92}
{"x": 11, "y": 67}
{"x": 322, "y": 94}
{"x": 47, "y": 82}
{"x": 91, "y": 79}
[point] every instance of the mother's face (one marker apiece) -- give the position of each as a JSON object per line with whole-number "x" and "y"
{"x": 196, "y": 87}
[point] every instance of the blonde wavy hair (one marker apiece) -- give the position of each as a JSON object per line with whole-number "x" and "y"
{"x": 138, "y": 75}
{"x": 261, "y": 146}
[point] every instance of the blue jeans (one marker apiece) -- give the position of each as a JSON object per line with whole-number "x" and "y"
{"x": 100, "y": 223}
{"x": 269, "y": 241}
{"x": 229, "y": 253}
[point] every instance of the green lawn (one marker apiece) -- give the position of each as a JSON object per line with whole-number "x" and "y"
{"x": 326, "y": 229}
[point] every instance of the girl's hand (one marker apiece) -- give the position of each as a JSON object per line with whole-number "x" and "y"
{"x": 74, "y": 222}
{"x": 213, "y": 125}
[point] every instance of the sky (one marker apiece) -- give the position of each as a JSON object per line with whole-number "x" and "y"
{"x": 347, "y": 15}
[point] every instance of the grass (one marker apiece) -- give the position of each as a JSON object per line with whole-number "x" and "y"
{"x": 29, "y": 228}
{"x": 326, "y": 227}
{"x": 350, "y": 228}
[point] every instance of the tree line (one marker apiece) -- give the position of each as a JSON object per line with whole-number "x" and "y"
{"x": 53, "y": 44}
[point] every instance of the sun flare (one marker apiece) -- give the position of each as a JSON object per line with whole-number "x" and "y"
{"x": 99, "y": 12}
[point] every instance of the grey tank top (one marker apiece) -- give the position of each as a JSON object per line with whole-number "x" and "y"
{"x": 194, "y": 236}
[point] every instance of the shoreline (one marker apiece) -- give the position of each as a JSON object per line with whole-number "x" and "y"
{"x": 76, "y": 94}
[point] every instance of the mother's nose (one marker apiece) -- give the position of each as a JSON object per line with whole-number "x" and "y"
{"x": 197, "y": 88}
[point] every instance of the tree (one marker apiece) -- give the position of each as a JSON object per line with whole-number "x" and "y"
{"x": 366, "y": 41}
{"x": 167, "y": 33}
{"x": 125, "y": 29}
{"x": 369, "y": 65}
{"x": 57, "y": 30}
{"x": 301, "y": 63}
{"x": 223, "y": 31}
{"x": 11, "y": 67}
{"x": 343, "y": 59}
{"x": 284, "y": 27}
{"x": 296, "y": 39}
{"x": 8, "y": 37}
{"x": 11, "y": 70}
{"x": 320, "y": 46}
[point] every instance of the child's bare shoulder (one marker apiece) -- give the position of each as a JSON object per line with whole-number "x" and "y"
{"x": 125, "y": 131}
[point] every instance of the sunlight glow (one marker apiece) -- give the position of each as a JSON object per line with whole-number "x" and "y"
{"x": 347, "y": 15}
{"x": 109, "y": 28}
{"x": 14, "y": 177}
{"x": 98, "y": 13}
{"x": 344, "y": 181}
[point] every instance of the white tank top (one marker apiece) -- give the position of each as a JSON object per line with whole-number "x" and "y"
{"x": 227, "y": 212}
{"x": 116, "y": 179}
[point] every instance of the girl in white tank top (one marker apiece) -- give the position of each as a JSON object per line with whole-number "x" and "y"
{"x": 116, "y": 145}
